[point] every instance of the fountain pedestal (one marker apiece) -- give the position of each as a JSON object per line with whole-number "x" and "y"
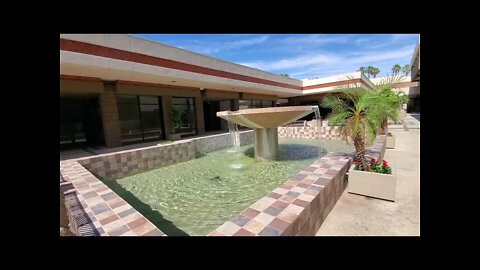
{"x": 266, "y": 143}
{"x": 266, "y": 122}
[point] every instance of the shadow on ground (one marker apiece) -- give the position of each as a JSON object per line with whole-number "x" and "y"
{"x": 154, "y": 216}
{"x": 294, "y": 152}
{"x": 416, "y": 116}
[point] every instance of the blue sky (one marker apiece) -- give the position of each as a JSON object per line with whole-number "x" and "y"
{"x": 300, "y": 55}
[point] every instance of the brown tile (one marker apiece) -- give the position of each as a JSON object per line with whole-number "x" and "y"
{"x": 109, "y": 196}
{"x": 280, "y": 205}
{"x": 274, "y": 195}
{"x": 138, "y": 222}
{"x": 109, "y": 219}
{"x": 143, "y": 229}
{"x": 279, "y": 224}
{"x": 269, "y": 231}
{"x": 287, "y": 216}
{"x": 154, "y": 232}
{"x": 117, "y": 204}
{"x": 286, "y": 199}
{"x": 118, "y": 231}
{"x": 243, "y": 232}
{"x": 322, "y": 181}
{"x": 301, "y": 203}
{"x": 251, "y": 213}
{"x": 303, "y": 185}
{"x": 254, "y": 226}
{"x": 288, "y": 185}
{"x": 259, "y": 206}
{"x": 272, "y": 211}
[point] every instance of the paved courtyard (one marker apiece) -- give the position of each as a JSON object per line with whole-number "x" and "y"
{"x": 356, "y": 215}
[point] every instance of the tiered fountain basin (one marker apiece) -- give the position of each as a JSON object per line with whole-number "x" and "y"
{"x": 266, "y": 121}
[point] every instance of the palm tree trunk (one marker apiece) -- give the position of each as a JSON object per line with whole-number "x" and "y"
{"x": 359, "y": 143}
{"x": 384, "y": 126}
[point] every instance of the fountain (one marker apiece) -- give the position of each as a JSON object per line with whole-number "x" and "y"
{"x": 265, "y": 121}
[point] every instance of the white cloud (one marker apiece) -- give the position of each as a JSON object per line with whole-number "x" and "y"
{"x": 329, "y": 64}
{"x": 216, "y": 47}
{"x": 362, "y": 41}
{"x": 248, "y": 42}
{"x": 296, "y": 62}
{"x": 315, "y": 39}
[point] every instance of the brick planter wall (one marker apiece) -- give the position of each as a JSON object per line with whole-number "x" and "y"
{"x": 300, "y": 205}
{"x": 309, "y": 130}
{"x": 297, "y": 207}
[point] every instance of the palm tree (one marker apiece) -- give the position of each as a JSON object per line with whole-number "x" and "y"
{"x": 396, "y": 69}
{"x": 375, "y": 71}
{"x": 370, "y": 70}
{"x": 363, "y": 70}
{"x": 357, "y": 114}
{"x": 285, "y": 75}
{"x": 406, "y": 69}
{"x": 389, "y": 101}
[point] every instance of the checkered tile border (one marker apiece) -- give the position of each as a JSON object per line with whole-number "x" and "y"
{"x": 300, "y": 205}
{"x": 95, "y": 209}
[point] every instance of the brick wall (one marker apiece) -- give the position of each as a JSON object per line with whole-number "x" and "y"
{"x": 123, "y": 163}
{"x": 299, "y": 206}
{"x": 109, "y": 111}
{"x": 309, "y": 130}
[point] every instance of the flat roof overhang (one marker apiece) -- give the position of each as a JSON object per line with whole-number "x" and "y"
{"x": 92, "y": 61}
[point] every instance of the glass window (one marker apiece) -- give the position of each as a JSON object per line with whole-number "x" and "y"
{"x": 244, "y": 104}
{"x": 140, "y": 118}
{"x": 148, "y": 100}
{"x": 256, "y": 104}
{"x": 151, "y": 121}
{"x": 127, "y": 99}
{"x": 183, "y": 116}
{"x": 266, "y": 104}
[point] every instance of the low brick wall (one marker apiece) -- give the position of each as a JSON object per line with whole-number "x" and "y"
{"x": 123, "y": 163}
{"x": 95, "y": 210}
{"x": 211, "y": 143}
{"x": 309, "y": 130}
{"x": 300, "y": 205}
{"x": 120, "y": 164}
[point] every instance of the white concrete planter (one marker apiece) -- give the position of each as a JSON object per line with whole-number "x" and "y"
{"x": 390, "y": 142}
{"x": 377, "y": 185}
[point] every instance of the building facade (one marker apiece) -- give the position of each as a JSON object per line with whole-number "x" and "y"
{"x": 414, "y": 93}
{"x": 117, "y": 89}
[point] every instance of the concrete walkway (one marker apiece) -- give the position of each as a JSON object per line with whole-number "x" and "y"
{"x": 356, "y": 215}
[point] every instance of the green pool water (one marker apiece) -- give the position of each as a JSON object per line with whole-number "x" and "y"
{"x": 197, "y": 196}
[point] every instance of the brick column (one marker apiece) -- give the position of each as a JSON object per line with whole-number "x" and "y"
{"x": 199, "y": 115}
{"x": 235, "y": 104}
{"x": 109, "y": 111}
